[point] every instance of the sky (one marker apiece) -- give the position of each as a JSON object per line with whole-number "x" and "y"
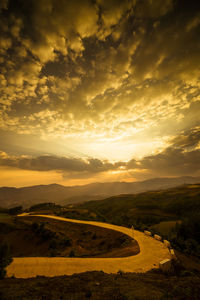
{"x": 98, "y": 90}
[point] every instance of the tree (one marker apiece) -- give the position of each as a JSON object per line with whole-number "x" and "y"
{"x": 72, "y": 254}
{"x": 5, "y": 259}
{"x": 16, "y": 210}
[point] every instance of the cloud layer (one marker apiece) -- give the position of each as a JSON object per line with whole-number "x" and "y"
{"x": 98, "y": 76}
{"x": 172, "y": 161}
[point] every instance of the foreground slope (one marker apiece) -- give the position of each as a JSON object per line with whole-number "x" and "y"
{"x": 98, "y": 286}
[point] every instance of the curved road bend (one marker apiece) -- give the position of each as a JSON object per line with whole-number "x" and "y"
{"x": 151, "y": 253}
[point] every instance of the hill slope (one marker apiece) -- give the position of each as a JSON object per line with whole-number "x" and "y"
{"x": 173, "y": 213}
{"x": 37, "y": 236}
{"x": 59, "y": 194}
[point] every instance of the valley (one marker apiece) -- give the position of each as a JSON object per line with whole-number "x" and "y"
{"x": 94, "y": 239}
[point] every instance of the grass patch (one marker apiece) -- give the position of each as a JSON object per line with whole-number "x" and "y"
{"x": 165, "y": 227}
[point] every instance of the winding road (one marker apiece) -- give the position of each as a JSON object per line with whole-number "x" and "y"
{"x": 151, "y": 253}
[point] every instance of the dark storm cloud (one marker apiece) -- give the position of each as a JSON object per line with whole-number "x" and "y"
{"x": 182, "y": 157}
{"x": 171, "y": 161}
{"x": 175, "y": 160}
{"x": 170, "y": 47}
{"x": 132, "y": 164}
{"x": 65, "y": 164}
{"x": 88, "y": 48}
{"x": 152, "y": 9}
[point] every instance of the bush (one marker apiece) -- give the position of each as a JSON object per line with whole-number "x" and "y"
{"x": 66, "y": 242}
{"x": 88, "y": 294}
{"x": 72, "y": 254}
{"x": 54, "y": 252}
{"x": 43, "y": 232}
{"x": 53, "y": 244}
{"x": 5, "y": 259}
{"x": 35, "y": 226}
{"x": 15, "y": 210}
{"x": 94, "y": 237}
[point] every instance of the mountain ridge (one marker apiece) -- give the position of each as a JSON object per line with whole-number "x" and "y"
{"x": 30, "y": 195}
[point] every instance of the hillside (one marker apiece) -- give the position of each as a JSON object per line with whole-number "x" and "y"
{"x": 155, "y": 210}
{"x": 157, "y": 205}
{"x": 174, "y": 213}
{"x": 28, "y": 196}
{"x": 36, "y": 236}
{"x": 98, "y": 286}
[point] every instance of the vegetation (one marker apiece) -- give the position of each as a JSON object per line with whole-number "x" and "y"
{"x": 173, "y": 213}
{"x": 43, "y": 207}
{"x": 5, "y": 217}
{"x": 98, "y": 285}
{"x": 5, "y": 259}
{"x": 15, "y": 210}
{"x": 186, "y": 236}
{"x": 37, "y": 236}
{"x": 11, "y": 211}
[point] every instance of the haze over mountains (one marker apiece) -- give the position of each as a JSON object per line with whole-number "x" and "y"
{"x": 27, "y": 196}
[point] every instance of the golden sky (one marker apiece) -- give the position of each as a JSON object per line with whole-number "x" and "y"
{"x": 98, "y": 90}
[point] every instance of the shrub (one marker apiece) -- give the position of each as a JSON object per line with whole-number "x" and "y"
{"x": 94, "y": 237}
{"x": 66, "y": 242}
{"x": 53, "y": 244}
{"x": 15, "y": 210}
{"x": 35, "y": 226}
{"x": 5, "y": 259}
{"x": 120, "y": 272}
{"x": 88, "y": 294}
{"x": 72, "y": 253}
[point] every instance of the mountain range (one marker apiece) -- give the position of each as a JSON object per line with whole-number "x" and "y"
{"x": 27, "y": 196}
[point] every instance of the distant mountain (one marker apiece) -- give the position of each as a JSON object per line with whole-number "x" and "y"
{"x": 27, "y": 196}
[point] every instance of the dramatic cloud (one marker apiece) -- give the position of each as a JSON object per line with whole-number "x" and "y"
{"x": 188, "y": 140}
{"x": 48, "y": 163}
{"x": 118, "y": 81}
{"x": 172, "y": 161}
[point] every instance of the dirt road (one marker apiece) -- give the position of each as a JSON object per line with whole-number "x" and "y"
{"x": 151, "y": 253}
